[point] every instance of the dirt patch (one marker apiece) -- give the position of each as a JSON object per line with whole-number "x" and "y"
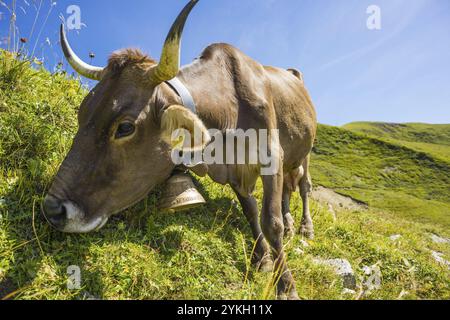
{"x": 336, "y": 200}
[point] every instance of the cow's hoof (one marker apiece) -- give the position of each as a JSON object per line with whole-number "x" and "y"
{"x": 289, "y": 228}
{"x": 289, "y": 233}
{"x": 265, "y": 265}
{"x": 282, "y": 296}
{"x": 292, "y": 295}
{"x": 307, "y": 231}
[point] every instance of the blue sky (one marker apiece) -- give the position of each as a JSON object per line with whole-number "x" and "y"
{"x": 400, "y": 73}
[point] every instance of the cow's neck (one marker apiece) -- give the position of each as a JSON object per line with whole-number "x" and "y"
{"x": 215, "y": 106}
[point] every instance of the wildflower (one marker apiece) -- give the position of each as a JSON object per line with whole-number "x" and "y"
{"x": 38, "y": 62}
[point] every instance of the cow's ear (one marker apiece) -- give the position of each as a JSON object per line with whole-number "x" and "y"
{"x": 178, "y": 119}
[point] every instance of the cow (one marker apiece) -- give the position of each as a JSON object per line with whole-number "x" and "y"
{"x": 121, "y": 151}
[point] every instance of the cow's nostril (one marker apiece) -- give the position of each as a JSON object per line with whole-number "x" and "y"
{"x": 54, "y": 210}
{"x": 53, "y": 206}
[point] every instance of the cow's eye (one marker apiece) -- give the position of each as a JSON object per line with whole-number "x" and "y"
{"x": 125, "y": 129}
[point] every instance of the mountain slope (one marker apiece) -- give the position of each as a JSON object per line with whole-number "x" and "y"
{"x": 433, "y": 139}
{"x": 204, "y": 253}
{"x": 383, "y": 174}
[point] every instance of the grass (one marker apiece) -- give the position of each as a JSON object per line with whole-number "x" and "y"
{"x": 204, "y": 253}
{"x": 384, "y": 175}
{"x": 433, "y": 139}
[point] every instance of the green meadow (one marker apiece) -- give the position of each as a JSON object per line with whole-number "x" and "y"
{"x": 399, "y": 174}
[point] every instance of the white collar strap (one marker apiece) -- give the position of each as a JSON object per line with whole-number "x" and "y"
{"x": 183, "y": 92}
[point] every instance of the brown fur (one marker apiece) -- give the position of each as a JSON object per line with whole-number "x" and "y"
{"x": 123, "y": 58}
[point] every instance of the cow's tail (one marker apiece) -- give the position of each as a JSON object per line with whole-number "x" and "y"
{"x": 296, "y": 73}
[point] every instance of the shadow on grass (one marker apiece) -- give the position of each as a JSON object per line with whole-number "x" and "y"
{"x": 220, "y": 216}
{"x": 35, "y": 243}
{"x": 141, "y": 224}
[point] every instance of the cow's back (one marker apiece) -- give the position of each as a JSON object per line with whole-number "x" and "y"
{"x": 234, "y": 91}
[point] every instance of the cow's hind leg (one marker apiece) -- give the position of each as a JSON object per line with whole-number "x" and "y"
{"x": 289, "y": 227}
{"x": 261, "y": 253}
{"x": 307, "y": 227}
{"x": 273, "y": 228}
{"x": 290, "y": 182}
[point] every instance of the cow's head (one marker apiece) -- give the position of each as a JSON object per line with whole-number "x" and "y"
{"x": 120, "y": 151}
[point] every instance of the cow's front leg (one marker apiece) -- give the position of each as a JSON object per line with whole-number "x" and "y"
{"x": 273, "y": 229}
{"x": 261, "y": 254}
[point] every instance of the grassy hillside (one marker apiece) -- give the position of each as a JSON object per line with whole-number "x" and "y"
{"x": 433, "y": 139}
{"x": 204, "y": 254}
{"x": 384, "y": 175}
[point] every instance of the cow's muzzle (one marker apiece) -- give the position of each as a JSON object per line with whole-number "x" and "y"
{"x": 54, "y": 211}
{"x": 66, "y": 216}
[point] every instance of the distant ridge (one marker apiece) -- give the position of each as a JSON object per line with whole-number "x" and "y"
{"x": 366, "y": 162}
{"x": 433, "y": 139}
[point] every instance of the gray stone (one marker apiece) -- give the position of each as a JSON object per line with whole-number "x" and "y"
{"x": 342, "y": 268}
{"x": 299, "y": 251}
{"x": 304, "y": 243}
{"x": 438, "y": 256}
{"x": 348, "y": 291}
{"x": 438, "y": 239}
{"x": 395, "y": 237}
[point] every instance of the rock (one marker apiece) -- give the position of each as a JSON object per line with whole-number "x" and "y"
{"x": 348, "y": 291}
{"x": 438, "y": 256}
{"x": 342, "y": 268}
{"x": 395, "y": 237}
{"x": 437, "y": 239}
{"x": 304, "y": 243}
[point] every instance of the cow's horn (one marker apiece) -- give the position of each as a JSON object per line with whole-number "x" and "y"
{"x": 169, "y": 63}
{"x": 86, "y": 70}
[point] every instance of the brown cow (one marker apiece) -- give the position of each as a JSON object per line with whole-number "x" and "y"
{"x": 120, "y": 154}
